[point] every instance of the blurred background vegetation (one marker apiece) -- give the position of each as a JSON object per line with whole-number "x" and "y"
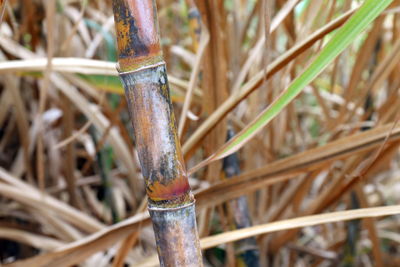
{"x": 71, "y": 190}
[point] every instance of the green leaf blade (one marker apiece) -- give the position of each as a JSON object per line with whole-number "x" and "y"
{"x": 341, "y": 40}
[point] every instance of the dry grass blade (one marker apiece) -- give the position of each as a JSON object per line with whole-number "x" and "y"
{"x": 78, "y": 251}
{"x": 126, "y": 246}
{"x": 234, "y": 187}
{"x": 73, "y": 137}
{"x": 30, "y": 196}
{"x": 287, "y": 168}
{"x": 204, "y": 39}
{"x": 36, "y": 241}
{"x": 105, "y": 238}
{"x": 5, "y": 104}
{"x": 71, "y": 65}
{"x": 336, "y": 150}
{"x": 78, "y": 66}
{"x": 334, "y": 47}
{"x": 256, "y": 51}
{"x": 22, "y": 121}
{"x": 101, "y": 123}
{"x": 3, "y": 6}
{"x": 256, "y": 81}
{"x": 332, "y": 217}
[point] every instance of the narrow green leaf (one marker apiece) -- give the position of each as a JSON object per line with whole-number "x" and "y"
{"x": 110, "y": 84}
{"x": 345, "y": 35}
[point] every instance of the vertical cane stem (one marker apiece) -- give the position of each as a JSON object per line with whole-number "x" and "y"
{"x": 143, "y": 74}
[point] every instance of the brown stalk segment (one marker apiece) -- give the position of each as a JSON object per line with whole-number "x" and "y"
{"x": 137, "y": 33}
{"x": 144, "y": 77}
{"x": 156, "y": 138}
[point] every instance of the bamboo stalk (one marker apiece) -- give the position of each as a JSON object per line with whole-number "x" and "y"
{"x": 143, "y": 74}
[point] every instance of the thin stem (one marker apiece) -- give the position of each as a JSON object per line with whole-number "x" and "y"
{"x": 3, "y": 5}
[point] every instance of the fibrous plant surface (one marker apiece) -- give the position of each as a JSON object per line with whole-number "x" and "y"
{"x": 320, "y": 177}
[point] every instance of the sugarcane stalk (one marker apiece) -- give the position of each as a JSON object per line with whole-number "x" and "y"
{"x": 143, "y": 74}
{"x": 194, "y": 24}
{"x": 246, "y": 249}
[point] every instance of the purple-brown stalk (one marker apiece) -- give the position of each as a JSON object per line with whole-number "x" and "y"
{"x": 143, "y": 74}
